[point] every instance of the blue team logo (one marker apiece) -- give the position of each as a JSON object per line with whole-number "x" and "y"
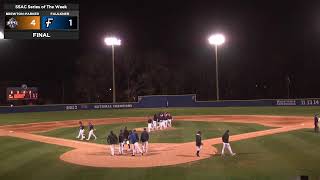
{"x": 12, "y": 23}
{"x": 49, "y": 22}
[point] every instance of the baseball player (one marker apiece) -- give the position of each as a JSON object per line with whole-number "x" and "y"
{"x": 161, "y": 121}
{"x": 121, "y": 142}
{"x": 225, "y": 140}
{"x": 149, "y": 124}
{"x": 165, "y": 120}
{"x": 81, "y": 131}
{"x": 133, "y": 140}
{"x": 144, "y": 140}
{"x": 112, "y": 140}
{"x": 155, "y": 119}
{"x": 91, "y": 129}
{"x": 316, "y": 121}
{"x": 169, "y": 120}
{"x": 198, "y": 143}
{"x": 126, "y": 137}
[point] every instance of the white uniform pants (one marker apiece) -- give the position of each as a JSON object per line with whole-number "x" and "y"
{"x": 169, "y": 123}
{"x": 91, "y": 134}
{"x": 81, "y": 134}
{"x": 149, "y": 127}
{"x": 226, "y": 145}
{"x": 136, "y": 148}
{"x": 198, "y": 148}
{"x": 154, "y": 125}
{"x": 145, "y": 146}
{"x": 162, "y": 125}
{"x": 112, "y": 149}
{"x": 121, "y": 145}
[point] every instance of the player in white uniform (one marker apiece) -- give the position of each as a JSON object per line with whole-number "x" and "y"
{"x": 169, "y": 120}
{"x": 91, "y": 133}
{"x": 161, "y": 121}
{"x": 81, "y": 131}
{"x": 149, "y": 124}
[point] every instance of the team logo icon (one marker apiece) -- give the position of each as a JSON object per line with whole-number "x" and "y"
{"x": 12, "y": 23}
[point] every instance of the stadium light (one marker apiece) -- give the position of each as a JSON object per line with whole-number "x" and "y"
{"x": 113, "y": 41}
{"x": 1, "y": 35}
{"x": 217, "y": 40}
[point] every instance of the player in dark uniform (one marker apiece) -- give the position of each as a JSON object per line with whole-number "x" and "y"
{"x": 121, "y": 142}
{"x": 198, "y": 143}
{"x": 126, "y": 137}
{"x": 226, "y": 144}
{"x": 133, "y": 137}
{"x": 316, "y": 121}
{"x": 144, "y": 140}
{"x": 112, "y": 141}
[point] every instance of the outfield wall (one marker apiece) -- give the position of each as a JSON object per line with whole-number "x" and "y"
{"x": 162, "y": 102}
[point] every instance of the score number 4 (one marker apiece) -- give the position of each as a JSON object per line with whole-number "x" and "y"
{"x": 33, "y": 22}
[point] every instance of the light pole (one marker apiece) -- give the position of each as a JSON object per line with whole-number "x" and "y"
{"x": 113, "y": 41}
{"x": 217, "y": 40}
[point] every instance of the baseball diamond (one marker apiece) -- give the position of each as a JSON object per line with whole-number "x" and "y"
{"x": 254, "y": 139}
{"x": 161, "y": 154}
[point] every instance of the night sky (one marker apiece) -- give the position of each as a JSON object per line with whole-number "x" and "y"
{"x": 266, "y": 42}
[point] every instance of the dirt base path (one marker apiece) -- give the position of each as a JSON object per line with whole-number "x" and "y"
{"x": 160, "y": 154}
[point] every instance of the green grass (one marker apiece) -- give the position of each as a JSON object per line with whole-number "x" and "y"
{"x": 184, "y": 132}
{"x": 67, "y": 115}
{"x": 280, "y": 156}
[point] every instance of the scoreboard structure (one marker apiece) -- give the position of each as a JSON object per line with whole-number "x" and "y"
{"x": 19, "y": 93}
{"x": 41, "y": 21}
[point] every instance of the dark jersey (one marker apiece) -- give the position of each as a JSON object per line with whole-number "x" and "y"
{"x": 144, "y": 136}
{"x": 126, "y": 134}
{"x": 121, "y": 137}
{"x": 81, "y": 127}
{"x": 198, "y": 140}
{"x": 149, "y": 121}
{"x": 225, "y": 137}
{"x": 91, "y": 127}
{"x": 316, "y": 120}
{"x": 137, "y": 136}
{"x": 112, "y": 139}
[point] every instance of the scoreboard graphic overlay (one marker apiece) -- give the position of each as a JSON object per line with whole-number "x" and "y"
{"x": 19, "y": 93}
{"x": 41, "y": 21}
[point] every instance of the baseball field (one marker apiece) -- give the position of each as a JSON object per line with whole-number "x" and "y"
{"x": 269, "y": 142}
